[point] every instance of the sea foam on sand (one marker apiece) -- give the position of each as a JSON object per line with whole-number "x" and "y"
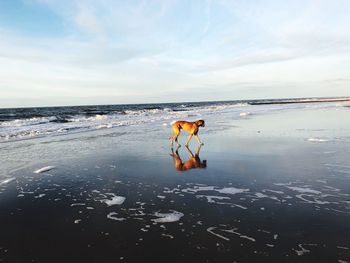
{"x": 6, "y": 181}
{"x": 44, "y": 169}
{"x": 112, "y": 216}
{"x": 232, "y": 190}
{"x": 317, "y": 140}
{"x": 167, "y": 217}
{"x": 244, "y": 114}
{"x": 116, "y": 200}
{"x": 304, "y": 190}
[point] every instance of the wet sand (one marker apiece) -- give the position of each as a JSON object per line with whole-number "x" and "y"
{"x": 269, "y": 188}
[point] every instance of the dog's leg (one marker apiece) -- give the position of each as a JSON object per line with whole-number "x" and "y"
{"x": 174, "y": 138}
{"x": 189, "y": 138}
{"x": 178, "y": 144}
{"x": 172, "y": 141}
{"x": 199, "y": 140}
{"x": 189, "y": 152}
{"x": 198, "y": 150}
{"x": 176, "y": 132}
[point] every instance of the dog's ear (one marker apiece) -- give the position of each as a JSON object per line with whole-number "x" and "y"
{"x": 200, "y": 123}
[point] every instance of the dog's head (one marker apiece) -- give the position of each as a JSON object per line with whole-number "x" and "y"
{"x": 200, "y": 123}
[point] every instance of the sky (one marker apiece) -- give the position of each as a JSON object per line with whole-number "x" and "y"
{"x": 82, "y": 52}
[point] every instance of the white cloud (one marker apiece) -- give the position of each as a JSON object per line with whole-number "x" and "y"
{"x": 124, "y": 52}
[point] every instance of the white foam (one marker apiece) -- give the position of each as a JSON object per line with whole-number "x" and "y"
{"x": 304, "y": 190}
{"x": 342, "y": 171}
{"x": 239, "y": 206}
{"x": 283, "y": 184}
{"x": 322, "y": 181}
{"x": 167, "y": 217}
{"x": 211, "y": 198}
{"x": 232, "y": 190}
{"x": 78, "y": 204}
{"x": 116, "y": 200}
{"x": 6, "y": 181}
{"x": 104, "y": 126}
{"x": 315, "y": 200}
{"x": 99, "y": 117}
{"x": 44, "y": 169}
{"x": 302, "y": 251}
{"x": 261, "y": 195}
{"x": 112, "y": 216}
{"x": 273, "y": 191}
{"x": 340, "y": 247}
{"x": 197, "y": 189}
{"x": 233, "y": 231}
{"x": 337, "y": 165}
{"x": 244, "y": 114}
{"x": 167, "y": 235}
{"x": 317, "y": 140}
{"x": 227, "y": 190}
{"x": 210, "y": 230}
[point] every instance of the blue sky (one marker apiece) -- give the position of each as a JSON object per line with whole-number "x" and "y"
{"x": 72, "y": 52}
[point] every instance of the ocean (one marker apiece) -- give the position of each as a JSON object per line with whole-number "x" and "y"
{"x": 27, "y": 123}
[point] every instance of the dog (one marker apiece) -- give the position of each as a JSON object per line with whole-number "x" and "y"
{"x": 193, "y": 161}
{"x": 191, "y": 127}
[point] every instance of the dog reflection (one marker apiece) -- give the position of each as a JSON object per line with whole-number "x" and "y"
{"x": 193, "y": 162}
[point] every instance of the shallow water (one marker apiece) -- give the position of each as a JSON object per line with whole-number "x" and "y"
{"x": 256, "y": 192}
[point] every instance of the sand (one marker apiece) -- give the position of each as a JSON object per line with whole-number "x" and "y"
{"x": 276, "y": 188}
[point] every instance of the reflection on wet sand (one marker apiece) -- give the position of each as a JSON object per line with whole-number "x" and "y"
{"x": 193, "y": 161}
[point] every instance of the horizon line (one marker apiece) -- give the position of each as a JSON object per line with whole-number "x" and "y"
{"x": 308, "y": 100}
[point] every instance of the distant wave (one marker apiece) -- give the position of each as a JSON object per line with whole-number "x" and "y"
{"x": 298, "y": 100}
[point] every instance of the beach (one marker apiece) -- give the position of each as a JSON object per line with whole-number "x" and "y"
{"x": 270, "y": 184}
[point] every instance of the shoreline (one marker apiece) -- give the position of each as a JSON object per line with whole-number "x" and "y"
{"x": 34, "y": 123}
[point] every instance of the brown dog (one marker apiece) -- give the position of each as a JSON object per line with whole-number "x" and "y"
{"x": 190, "y": 127}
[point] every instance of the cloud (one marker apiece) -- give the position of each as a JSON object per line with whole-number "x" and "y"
{"x": 131, "y": 51}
